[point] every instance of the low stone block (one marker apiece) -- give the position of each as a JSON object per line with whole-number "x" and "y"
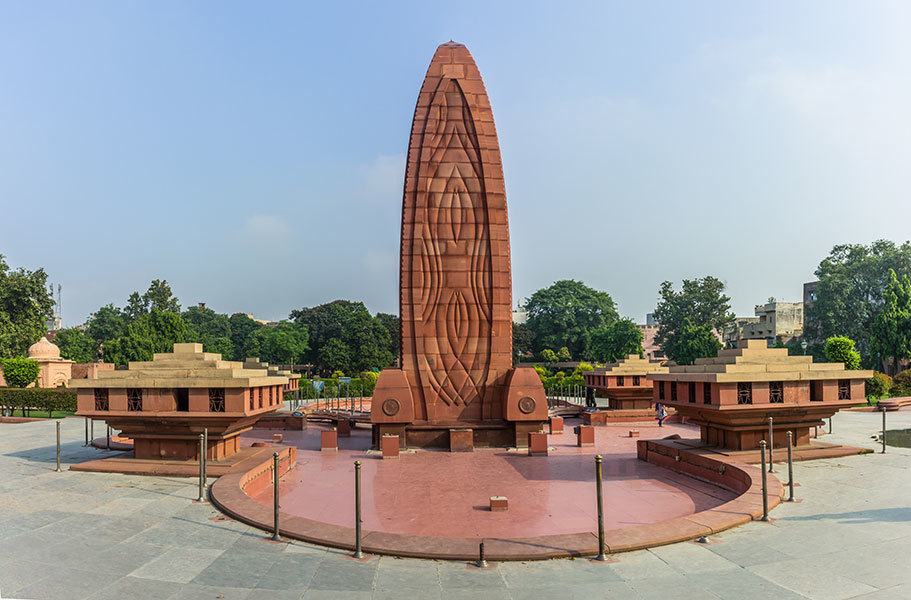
{"x": 556, "y": 425}
{"x": 277, "y": 438}
{"x": 537, "y": 444}
{"x": 634, "y": 433}
{"x": 344, "y": 427}
{"x": 461, "y": 440}
{"x": 329, "y": 440}
{"x": 390, "y": 446}
{"x": 585, "y": 436}
{"x": 499, "y": 504}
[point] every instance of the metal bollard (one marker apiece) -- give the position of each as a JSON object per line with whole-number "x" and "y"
{"x": 790, "y": 469}
{"x": 358, "y": 553}
{"x": 883, "y": 409}
{"x": 482, "y": 561}
{"x": 202, "y": 476}
{"x": 86, "y": 433}
{"x": 765, "y": 489}
{"x": 771, "y": 431}
{"x": 600, "y": 509}
{"x": 108, "y": 443}
{"x": 830, "y": 424}
{"x": 205, "y": 454}
{"x": 92, "y": 430}
{"x": 58, "y": 446}
{"x": 275, "y": 461}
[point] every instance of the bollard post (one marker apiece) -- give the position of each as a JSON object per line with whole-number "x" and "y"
{"x": 883, "y": 409}
{"x": 830, "y": 424}
{"x": 765, "y": 489}
{"x": 202, "y": 477}
{"x": 58, "y": 446}
{"x": 275, "y": 461}
{"x": 108, "y": 443}
{"x": 771, "y": 470}
{"x": 358, "y": 553}
{"x": 600, "y": 509}
{"x": 790, "y": 470}
{"x": 86, "y": 433}
{"x": 91, "y": 430}
{"x": 205, "y": 454}
{"x": 482, "y": 561}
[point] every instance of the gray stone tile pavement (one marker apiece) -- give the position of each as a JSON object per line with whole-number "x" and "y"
{"x": 95, "y": 536}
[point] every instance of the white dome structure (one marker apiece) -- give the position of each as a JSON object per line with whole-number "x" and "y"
{"x": 43, "y": 349}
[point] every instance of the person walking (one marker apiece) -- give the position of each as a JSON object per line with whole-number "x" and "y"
{"x": 660, "y": 414}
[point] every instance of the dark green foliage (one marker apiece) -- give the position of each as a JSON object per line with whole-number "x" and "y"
{"x": 615, "y": 341}
{"x": 242, "y": 327}
{"x": 878, "y": 386}
{"x": 901, "y": 385}
{"x": 49, "y": 400}
{"x": 158, "y": 296}
{"x": 76, "y": 345}
{"x": 700, "y": 305}
{"x": 695, "y": 341}
{"x": 345, "y": 336}
{"x": 841, "y": 349}
{"x": 153, "y": 332}
{"x": 850, "y": 291}
{"x": 890, "y": 336}
{"x": 25, "y": 306}
{"x": 391, "y": 324}
{"x": 209, "y": 328}
{"x": 522, "y": 340}
{"x": 107, "y": 323}
{"x": 283, "y": 343}
{"x": 20, "y": 372}
{"x": 566, "y": 313}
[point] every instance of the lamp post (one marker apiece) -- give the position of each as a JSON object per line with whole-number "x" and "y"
{"x": 803, "y": 346}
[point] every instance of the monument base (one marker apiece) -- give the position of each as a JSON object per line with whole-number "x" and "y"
{"x": 484, "y": 434}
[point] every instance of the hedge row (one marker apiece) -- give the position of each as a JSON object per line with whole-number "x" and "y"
{"x": 46, "y": 399}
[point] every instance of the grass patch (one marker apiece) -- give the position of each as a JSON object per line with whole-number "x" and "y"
{"x": 41, "y": 414}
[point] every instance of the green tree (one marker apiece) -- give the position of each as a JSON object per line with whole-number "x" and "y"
{"x": 154, "y": 332}
{"x": 242, "y": 327}
{"x": 563, "y": 354}
{"x": 283, "y": 343}
{"x": 548, "y": 356}
{"x": 849, "y": 294}
{"x": 337, "y": 354}
{"x": 20, "y": 372}
{"x": 616, "y": 341}
{"x": 566, "y": 313}
{"x": 362, "y": 341}
{"x": 76, "y": 345}
{"x": 392, "y": 325}
{"x": 522, "y": 340}
{"x": 841, "y": 349}
{"x": 108, "y": 323}
{"x": 25, "y": 306}
{"x": 696, "y": 341}
{"x": 211, "y": 329}
{"x": 700, "y": 302}
{"x": 890, "y": 335}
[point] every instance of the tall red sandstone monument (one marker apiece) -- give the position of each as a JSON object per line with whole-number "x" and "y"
{"x": 455, "y": 288}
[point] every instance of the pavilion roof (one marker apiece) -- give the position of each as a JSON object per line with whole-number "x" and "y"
{"x": 631, "y": 365}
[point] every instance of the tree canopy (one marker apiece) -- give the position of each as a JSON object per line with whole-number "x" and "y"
{"x": 890, "y": 336}
{"x": 76, "y": 345}
{"x": 284, "y": 343}
{"x": 849, "y": 294}
{"x": 566, "y": 313}
{"x": 700, "y": 303}
{"x": 615, "y": 341}
{"x": 25, "y": 305}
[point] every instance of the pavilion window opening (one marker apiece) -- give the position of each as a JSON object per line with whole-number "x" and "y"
{"x": 101, "y": 399}
{"x": 134, "y": 399}
{"x": 744, "y": 392}
{"x": 815, "y": 396}
{"x": 216, "y": 399}
{"x": 252, "y": 393}
{"x": 706, "y": 393}
{"x": 260, "y": 397}
{"x": 776, "y": 392}
{"x": 661, "y": 385}
{"x": 844, "y": 389}
{"x": 673, "y": 391}
{"x": 620, "y": 381}
{"x": 271, "y": 401}
{"x": 691, "y": 392}
{"x": 636, "y": 380}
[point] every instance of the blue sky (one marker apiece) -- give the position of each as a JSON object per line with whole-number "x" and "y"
{"x": 252, "y": 154}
